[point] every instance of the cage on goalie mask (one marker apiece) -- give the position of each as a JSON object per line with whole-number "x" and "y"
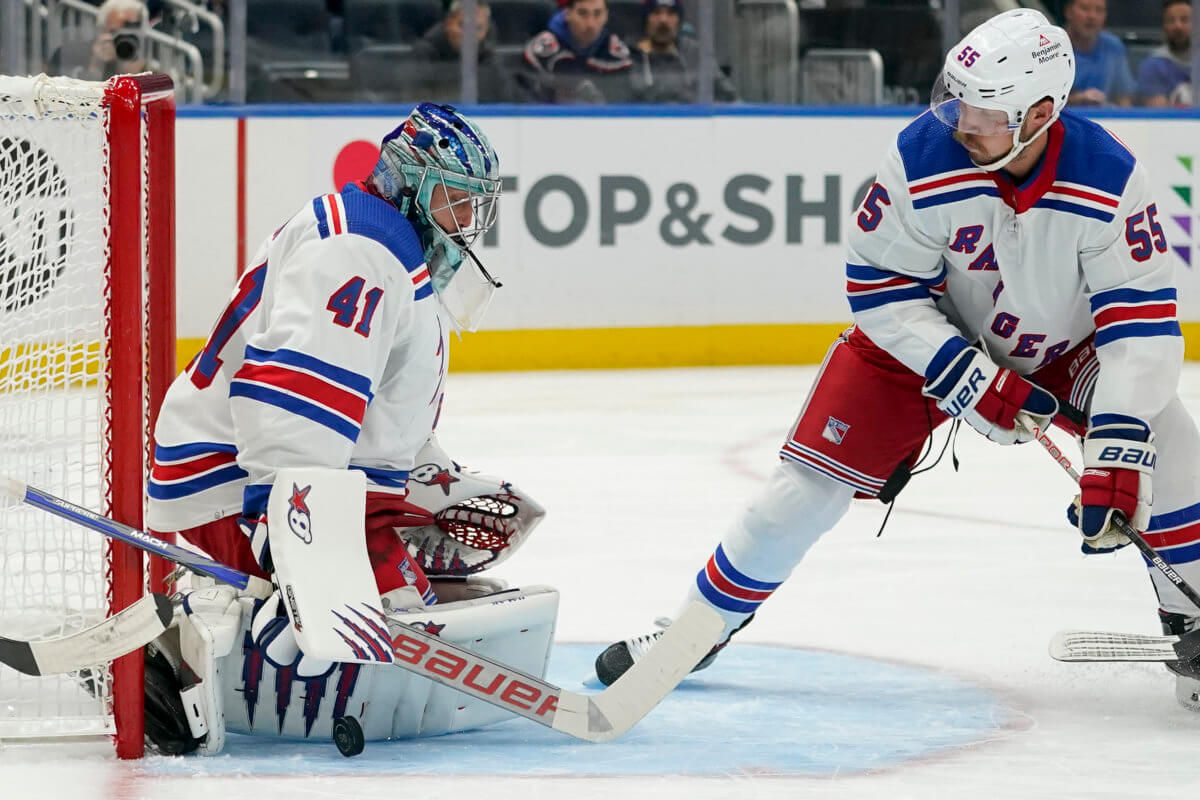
{"x": 439, "y": 164}
{"x": 479, "y": 520}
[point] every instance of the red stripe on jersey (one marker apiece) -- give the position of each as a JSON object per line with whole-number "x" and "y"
{"x": 937, "y": 184}
{"x": 189, "y": 469}
{"x": 1114, "y": 314}
{"x": 1184, "y": 535}
{"x": 1095, "y": 198}
{"x": 725, "y": 586}
{"x": 334, "y": 217}
{"x": 855, "y": 286}
{"x": 422, "y": 275}
{"x": 309, "y": 387}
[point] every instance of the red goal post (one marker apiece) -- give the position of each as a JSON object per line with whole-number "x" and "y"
{"x": 87, "y": 350}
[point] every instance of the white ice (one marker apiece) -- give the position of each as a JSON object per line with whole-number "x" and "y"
{"x": 641, "y": 471}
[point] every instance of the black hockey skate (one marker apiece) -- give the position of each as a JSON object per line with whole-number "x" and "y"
{"x": 167, "y": 729}
{"x": 617, "y": 658}
{"x": 1187, "y": 675}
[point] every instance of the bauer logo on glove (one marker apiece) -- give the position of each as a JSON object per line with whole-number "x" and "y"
{"x": 1117, "y": 454}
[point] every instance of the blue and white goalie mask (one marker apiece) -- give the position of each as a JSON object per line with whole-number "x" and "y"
{"x": 441, "y": 171}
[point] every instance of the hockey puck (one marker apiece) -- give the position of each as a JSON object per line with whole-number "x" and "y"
{"x": 348, "y": 736}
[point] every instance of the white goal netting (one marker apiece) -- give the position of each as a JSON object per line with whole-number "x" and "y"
{"x": 53, "y": 345}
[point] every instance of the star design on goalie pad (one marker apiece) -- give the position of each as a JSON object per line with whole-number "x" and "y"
{"x": 298, "y": 502}
{"x": 430, "y": 627}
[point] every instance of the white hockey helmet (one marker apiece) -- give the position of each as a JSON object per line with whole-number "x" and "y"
{"x": 1000, "y": 69}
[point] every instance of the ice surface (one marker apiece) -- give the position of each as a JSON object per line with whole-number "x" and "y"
{"x": 912, "y": 665}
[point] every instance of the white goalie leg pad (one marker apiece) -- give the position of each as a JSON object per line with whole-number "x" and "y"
{"x": 514, "y": 627}
{"x": 319, "y": 548}
{"x": 210, "y": 621}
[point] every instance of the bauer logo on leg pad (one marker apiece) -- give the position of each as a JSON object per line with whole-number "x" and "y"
{"x": 835, "y": 430}
{"x": 299, "y": 518}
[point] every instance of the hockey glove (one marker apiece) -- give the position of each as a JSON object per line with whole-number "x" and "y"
{"x": 988, "y": 397}
{"x": 1118, "y": 464}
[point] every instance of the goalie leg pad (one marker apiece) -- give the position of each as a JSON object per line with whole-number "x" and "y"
{"x": 209, "y": 626}
{"x": 514, "y": 626}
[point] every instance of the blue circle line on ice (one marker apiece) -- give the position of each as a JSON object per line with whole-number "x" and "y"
{"x": 760, "y": 709}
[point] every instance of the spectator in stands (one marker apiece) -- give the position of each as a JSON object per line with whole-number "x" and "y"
{"x": 1165, "y": 76}
{"x": 102, "y": 58}
{"x": 442, "y": 45}
{"x": 577, "y": 59}
{"x": 1102, "y": 75}
{"x": 665, "y": 63}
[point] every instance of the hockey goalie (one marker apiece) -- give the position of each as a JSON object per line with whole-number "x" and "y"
{"x": 298, "y": 446}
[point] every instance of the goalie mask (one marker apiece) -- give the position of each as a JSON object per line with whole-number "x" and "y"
{"x": 440, "y": 170}
{"x": 997, "y": 72}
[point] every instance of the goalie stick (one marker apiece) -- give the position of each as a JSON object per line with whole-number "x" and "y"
{"x": 599, "y": 717}
{"x": 1105, "y": 646}
{"x": 124, "y": 632}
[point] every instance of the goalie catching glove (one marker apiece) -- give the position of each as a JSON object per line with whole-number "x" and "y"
{"x": 986, "y": 396}
{"x": 476, "y": 521}
{"x": 1118, "y": 465}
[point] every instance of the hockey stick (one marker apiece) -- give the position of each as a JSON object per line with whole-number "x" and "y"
{"x": 132, "y": 536}
{"x": 134, "y": 627}
{"x": 595, "y": 718}
{"x": 1105, "y": 646}
{"x": 1122, "y": 524}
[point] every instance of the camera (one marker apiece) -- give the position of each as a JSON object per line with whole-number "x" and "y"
{"x": 127, "y": 42}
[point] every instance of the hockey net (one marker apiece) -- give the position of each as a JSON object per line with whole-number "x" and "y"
{"x": 86, "y": 351}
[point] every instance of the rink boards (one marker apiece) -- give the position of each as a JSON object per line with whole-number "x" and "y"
{"x": 624, "y": 238}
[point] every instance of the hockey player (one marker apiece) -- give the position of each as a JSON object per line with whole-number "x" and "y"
{"x": 1008, "y": 255}
{"x": 329, "y": 364}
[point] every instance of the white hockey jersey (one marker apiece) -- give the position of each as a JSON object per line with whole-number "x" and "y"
{"x": 332, "y": 352}
{"x": 942, "y": 253}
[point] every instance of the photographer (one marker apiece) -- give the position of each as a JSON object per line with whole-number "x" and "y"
{"x": 117, "y": 48}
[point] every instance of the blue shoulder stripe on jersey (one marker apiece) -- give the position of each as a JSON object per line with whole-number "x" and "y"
{"x": 367, "y": 215}
{"x": 293, "y": 358}
{"x": 1109, "y": 296}
{"x": 254, "y": 499}
{"x": 927, "y": 147}
{"x": 322, "y": 220}
{"x": 945, "y": 355}
{"x": 953, "y": 197}
{"x": 1136, "y": 330}
{"x": 173, "y": 491}
{"x": 296, "y": 405}
{"x": 899, "y": 295}
{"x": 862, "y": 272}
{"x": 741, "y": 580}
{"x": 395, "y": 478}
{"x": 1074, "y": 208}
{"x": 176, "y": 452}
{"x": 1091, "y": 156}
